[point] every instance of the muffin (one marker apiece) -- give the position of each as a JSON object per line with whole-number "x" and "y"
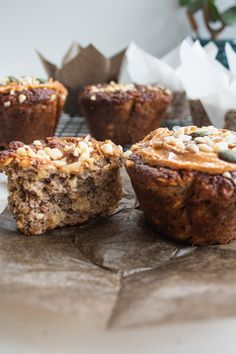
{"x": 61, "y": 181}
{"x": 124, "y": 113}
{"x": 185, "y": 183}
{"x": 29, "y": 108}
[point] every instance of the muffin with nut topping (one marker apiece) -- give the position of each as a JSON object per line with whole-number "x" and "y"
{"x": 61, "y": 181}
{"x": 29, "y": 108}
{"x": 124, "y": 113}
{"x": 185, "y": 181}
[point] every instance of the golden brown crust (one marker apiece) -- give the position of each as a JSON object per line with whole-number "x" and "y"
{"x": 29, "y": 109}
{"x": 187, "y": 206}
{"x": 69, "y": 155}
{"x": 29, "y": 83}
{"x": 124, "y": 113}
{"x": 179, "y": 149}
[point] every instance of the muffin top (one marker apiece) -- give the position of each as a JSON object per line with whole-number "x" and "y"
{"x": 68, "y": 155}
{"x": 10, "y": 84}
{"x": 113, "y": 91}
{"x": 205, "y": 149}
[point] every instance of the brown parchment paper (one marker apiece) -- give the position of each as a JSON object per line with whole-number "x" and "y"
{"x": 82, "y": 66}
{"x": 117, "y": 272}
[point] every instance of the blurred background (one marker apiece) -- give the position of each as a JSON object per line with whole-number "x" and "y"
{"x": 51, "y": 26}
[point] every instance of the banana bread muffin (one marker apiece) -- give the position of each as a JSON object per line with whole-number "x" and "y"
{"x": 29, "y": 108}
{"x": 185, "y": 182}
{"x": 124, "y": 113}
{"x": 61, "y": 181}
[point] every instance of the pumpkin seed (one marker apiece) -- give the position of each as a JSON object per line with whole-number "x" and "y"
{"x": 199, "y": 133}
{"x": 227, "y": 155}
{"x": 13, "y": 79}
{"x": 42, "y": 81}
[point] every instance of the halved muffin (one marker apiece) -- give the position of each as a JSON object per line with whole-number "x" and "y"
{"x": 61, "y": 181}
{"x": 185, "y": 182}
{"x": 29, "y": 108}
{"x": 124, "y": 113}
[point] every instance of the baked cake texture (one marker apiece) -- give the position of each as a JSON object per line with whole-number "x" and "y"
{"x": 185, "y": 181}
{"x": 124, "y": 113}
{"x": 61, "y": 181}
{"x": 29, "y": 108}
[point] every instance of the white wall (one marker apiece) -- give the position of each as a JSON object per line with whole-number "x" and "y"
{"x": 51, "y": 25}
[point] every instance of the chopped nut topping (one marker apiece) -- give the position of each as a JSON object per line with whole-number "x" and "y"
{"x": 37, "y": 143}
{"x": 107, "y": 149}
{"x": 127, "y": 154}
{"x": 54, "y": 153}
{"x": 22, "y": 98}
{"x": 192, "y": 148}
{"x": 220, "y": 146}
{"x": 226, "y": 175}
{"x": 53, "y": 97}
{"x": 68, "y": 154}
{"x": 21, "y": 151}
{"x": 205, "y": 148}
{"x": 93, "y": 98}
{"x": 7, "y": 104}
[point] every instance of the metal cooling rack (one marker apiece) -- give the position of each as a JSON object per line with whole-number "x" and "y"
{"x": 71, "y": 126}
{"x": 76, "y": 126}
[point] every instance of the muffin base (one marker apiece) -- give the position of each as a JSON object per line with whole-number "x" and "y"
{"x": 40, "y": 204}
{"x": 36, "y": 118}
{"x": 124, "y": 119}
{"x": 188, "y": 206}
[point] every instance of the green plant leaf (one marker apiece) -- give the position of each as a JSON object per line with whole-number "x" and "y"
{"x": 196, "y": 5}
{"x": 184, "y": 2}
{"x": 229, "y": 16}
{"x": 213, "y": 11}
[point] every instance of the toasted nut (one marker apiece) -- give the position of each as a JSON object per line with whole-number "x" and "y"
{"x": 205, "y": 148}
{"x": 53, "y": 97}
{"x": 42, "y": 155}
{"x": 37, "y": 143}
{"x": 21, "y": 151}
{"x": 93, "y": 98}
{"x": 220, "y": 146}
{"x": 22, "y": 98}
{"x": 171, "y": 155}
{"x": 40, "y": 216}
{"x": 55, "y": 153}
{"x": 179, "y": 132}
{"x": 76, "y": 152}
{"x": 107, "y": 148}
{"x": 31, "y": 153}
{"x": 63, "y": 97}
{"x": 82, "y": 146}
{"x": 185, "y": 138}
{"x": 7, "y": 104}
{"x": 192, "y": 148}
{"x": 226, "y": 175}
{"x": 127, "y": 154}
{"x": 59, "y": 163}
{"x": 170, "y": 140}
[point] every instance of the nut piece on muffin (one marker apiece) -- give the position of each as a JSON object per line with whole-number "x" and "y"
{"x": 185, "y": 182}
{"x": 61, "y": 181}
{"x": 29, "y": 108}
{"x": 124, "y": 113}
